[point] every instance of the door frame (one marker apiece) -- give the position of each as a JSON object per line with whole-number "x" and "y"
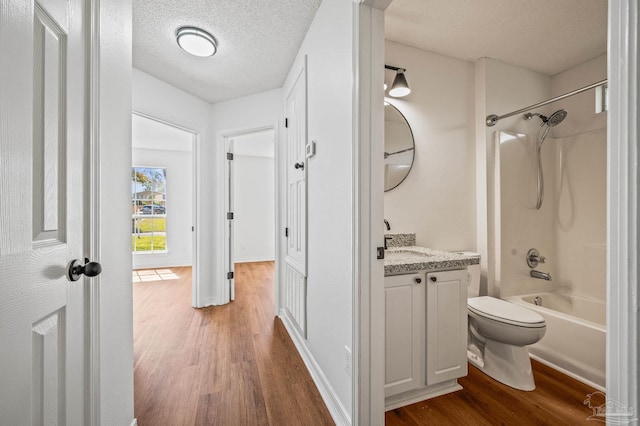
{"x": 368, "y": 215}
{"x": 196, "y": 138}
{"x": 623, "y": 234}
{"x": 109, "y": 356}
{"x": 222, "y": 291}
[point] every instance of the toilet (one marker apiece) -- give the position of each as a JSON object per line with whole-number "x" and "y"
{"x": 499, "y": 333}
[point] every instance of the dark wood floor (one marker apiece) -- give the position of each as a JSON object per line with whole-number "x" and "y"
{"x": 557, "y": 400}
{"x": 226, "y": 365}
{"x": 236, "y": 365}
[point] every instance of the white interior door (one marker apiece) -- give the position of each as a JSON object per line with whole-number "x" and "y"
{"x": 229, "y": 261}
{"x": 296, "y": 131}
{"x": 294, "y": 289}
{"x": 42, "y": 138}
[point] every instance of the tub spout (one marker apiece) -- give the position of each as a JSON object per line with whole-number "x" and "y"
{"x": 540, "y": 275}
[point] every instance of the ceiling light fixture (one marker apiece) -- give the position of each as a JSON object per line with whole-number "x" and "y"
{"x": 196, "y": 41}
{"x": 400, "y": 87}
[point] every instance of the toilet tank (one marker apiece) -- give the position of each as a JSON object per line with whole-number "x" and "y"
{"x": 473, "y": 286}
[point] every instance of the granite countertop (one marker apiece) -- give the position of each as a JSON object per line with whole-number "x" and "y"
{"x": 405, "y": 259}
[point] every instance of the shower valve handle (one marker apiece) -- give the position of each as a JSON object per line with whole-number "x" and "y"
{"x": 534, "y": 258}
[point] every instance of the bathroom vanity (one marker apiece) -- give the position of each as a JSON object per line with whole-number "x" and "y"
{"x": 425, "y": 322}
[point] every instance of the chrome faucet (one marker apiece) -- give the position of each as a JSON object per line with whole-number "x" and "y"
{"x": 540, "y": 275}
{"x": 386, "y": 223}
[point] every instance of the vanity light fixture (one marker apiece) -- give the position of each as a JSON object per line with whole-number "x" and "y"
{"x": 196, "y": 41}
{"x": 400, "y": 87}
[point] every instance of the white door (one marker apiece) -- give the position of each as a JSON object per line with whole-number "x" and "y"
{"x": 229, "y": 261}
{"x": 42, "y": 137}
{"x": 294, "y": 289}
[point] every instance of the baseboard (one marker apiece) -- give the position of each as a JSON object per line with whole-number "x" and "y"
{"x": 338, "y": 412}
{"x": 209, "y": 301}
{"x": 134, "y": 422}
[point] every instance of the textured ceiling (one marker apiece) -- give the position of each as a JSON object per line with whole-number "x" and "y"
{"x": 257, "y": 43}
{"x": 258, "y": 39}
{"x": 548, "y": 36}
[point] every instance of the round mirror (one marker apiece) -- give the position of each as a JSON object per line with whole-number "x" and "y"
{"x": 399, "y": 147}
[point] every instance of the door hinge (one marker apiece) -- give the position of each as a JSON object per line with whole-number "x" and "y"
{"x": 230, "y": 215}
{"x": 286, "y": 232}
{"x": 229, "y": 155}
{"x": 229, "y": 275}
{"x": 193, "y": 228}
{"x": 286, "y": 122}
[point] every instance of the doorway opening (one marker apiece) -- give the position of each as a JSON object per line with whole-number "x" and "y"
{"x": 250, "y": 202}
{"x": 163, "y": 204}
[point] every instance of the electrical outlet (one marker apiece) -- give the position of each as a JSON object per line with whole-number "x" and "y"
{"x": 347, "y": 361}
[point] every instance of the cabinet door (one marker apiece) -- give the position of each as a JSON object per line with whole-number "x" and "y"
{"x": 404, "y": 333}
{"x": 446, "y": 325}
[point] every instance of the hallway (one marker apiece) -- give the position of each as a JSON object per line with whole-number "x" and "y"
{"x": 226, "y": 365}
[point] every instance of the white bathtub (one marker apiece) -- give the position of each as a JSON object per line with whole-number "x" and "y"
{"x": 575, "y": 341}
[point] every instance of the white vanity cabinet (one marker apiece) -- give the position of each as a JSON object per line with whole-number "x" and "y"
{"x": 404, "y": 333}
{"x": 446, "y": 325}
{"x": 425, "y": 335}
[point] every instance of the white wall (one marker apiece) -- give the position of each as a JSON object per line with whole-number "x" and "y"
{"x": 254, "y": 199}
{"x": 162, "y": 101}
{"x": 580, "y": 160}
{"x": 329, "y": 46}
{"x": 500, "y": 89}
{"x": 437, "y": 199}
{"x": 178, "y": 165}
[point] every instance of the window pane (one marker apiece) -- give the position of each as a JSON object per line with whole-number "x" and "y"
{"x": 148, "y": 200}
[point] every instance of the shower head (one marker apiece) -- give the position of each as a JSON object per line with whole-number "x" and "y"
{"x": 553, "y": 120}
{"x": 556, "y": 118}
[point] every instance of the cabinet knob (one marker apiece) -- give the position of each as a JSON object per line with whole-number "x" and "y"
{"x": 418, "y": 280}
{"x": 434, "y": 279}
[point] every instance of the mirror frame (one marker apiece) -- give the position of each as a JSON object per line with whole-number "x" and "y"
{"x": 413, "y": 141}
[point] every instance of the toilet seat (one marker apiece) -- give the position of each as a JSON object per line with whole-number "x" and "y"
{"x": 505, "y": 312}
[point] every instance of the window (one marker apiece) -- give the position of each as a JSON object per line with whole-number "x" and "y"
{"x": 149, "y": 209}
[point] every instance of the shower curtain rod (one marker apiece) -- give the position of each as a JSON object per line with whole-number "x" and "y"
{"x": 493, "y": 118}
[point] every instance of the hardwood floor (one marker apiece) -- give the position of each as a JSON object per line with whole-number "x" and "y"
{"x": 236, "y": 365}
{"x": 225, "y": 365}
{"x": 557, "y": 400}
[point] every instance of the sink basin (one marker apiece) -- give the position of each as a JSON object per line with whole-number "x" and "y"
{"x": 405, "y": 254}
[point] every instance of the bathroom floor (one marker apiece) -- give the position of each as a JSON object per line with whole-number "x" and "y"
{"x": 557, "y": 400}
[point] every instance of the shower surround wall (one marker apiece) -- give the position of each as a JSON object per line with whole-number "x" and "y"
{"x": 569, "y": 229}
{"x": 580, "y": 185}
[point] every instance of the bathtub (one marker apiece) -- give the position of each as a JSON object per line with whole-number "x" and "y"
{"x": 575, "y": 341}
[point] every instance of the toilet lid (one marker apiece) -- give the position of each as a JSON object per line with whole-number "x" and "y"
{"x": 503, "y": 311}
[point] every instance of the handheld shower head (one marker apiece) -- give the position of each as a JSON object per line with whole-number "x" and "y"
{"x": 556, "y": 118}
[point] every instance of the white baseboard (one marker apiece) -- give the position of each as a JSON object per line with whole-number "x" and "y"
{"x": 209, "y": 301}
{"x": 134, "y": 422}
{"x": 335, "y": 407}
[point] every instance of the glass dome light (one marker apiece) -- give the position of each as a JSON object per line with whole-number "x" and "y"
{"x": 196, "y": 41}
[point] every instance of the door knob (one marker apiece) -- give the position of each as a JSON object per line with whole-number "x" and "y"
{"x": 299, "y": 166}
{"x": 90, "y": 269}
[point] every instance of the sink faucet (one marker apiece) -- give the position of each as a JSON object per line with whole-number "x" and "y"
{"x": 387, "y": 238}
{"x": 540, "y": 275}
{"x": 386, "y": 223}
